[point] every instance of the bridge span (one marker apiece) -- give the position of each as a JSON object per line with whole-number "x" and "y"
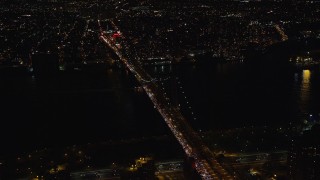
{"x": 204, "y": 160}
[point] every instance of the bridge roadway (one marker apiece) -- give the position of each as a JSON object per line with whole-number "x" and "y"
{"x": 205, "y": 162}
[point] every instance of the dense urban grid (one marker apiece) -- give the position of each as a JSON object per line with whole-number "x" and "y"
{"x": 46, "y": 39}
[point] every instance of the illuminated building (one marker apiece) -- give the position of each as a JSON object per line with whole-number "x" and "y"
{"x": 143, "y": 168}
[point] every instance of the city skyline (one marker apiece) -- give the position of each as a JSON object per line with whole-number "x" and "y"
{"x": 192, "y": 89}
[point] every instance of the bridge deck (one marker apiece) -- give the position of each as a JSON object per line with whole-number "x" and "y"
{"x": 205, "y": 162}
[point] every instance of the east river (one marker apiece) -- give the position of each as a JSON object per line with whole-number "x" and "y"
{"x": 99, "y": 103}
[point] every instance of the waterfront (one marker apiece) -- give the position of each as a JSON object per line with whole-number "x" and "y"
{"x": 102, "y": 112}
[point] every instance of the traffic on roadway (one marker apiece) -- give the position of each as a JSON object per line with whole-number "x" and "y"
{"x": 205, "y": 163}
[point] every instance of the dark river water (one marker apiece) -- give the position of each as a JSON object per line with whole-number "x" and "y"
{"x": 98, "y": 104}
{"x": 238, "y": 95}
